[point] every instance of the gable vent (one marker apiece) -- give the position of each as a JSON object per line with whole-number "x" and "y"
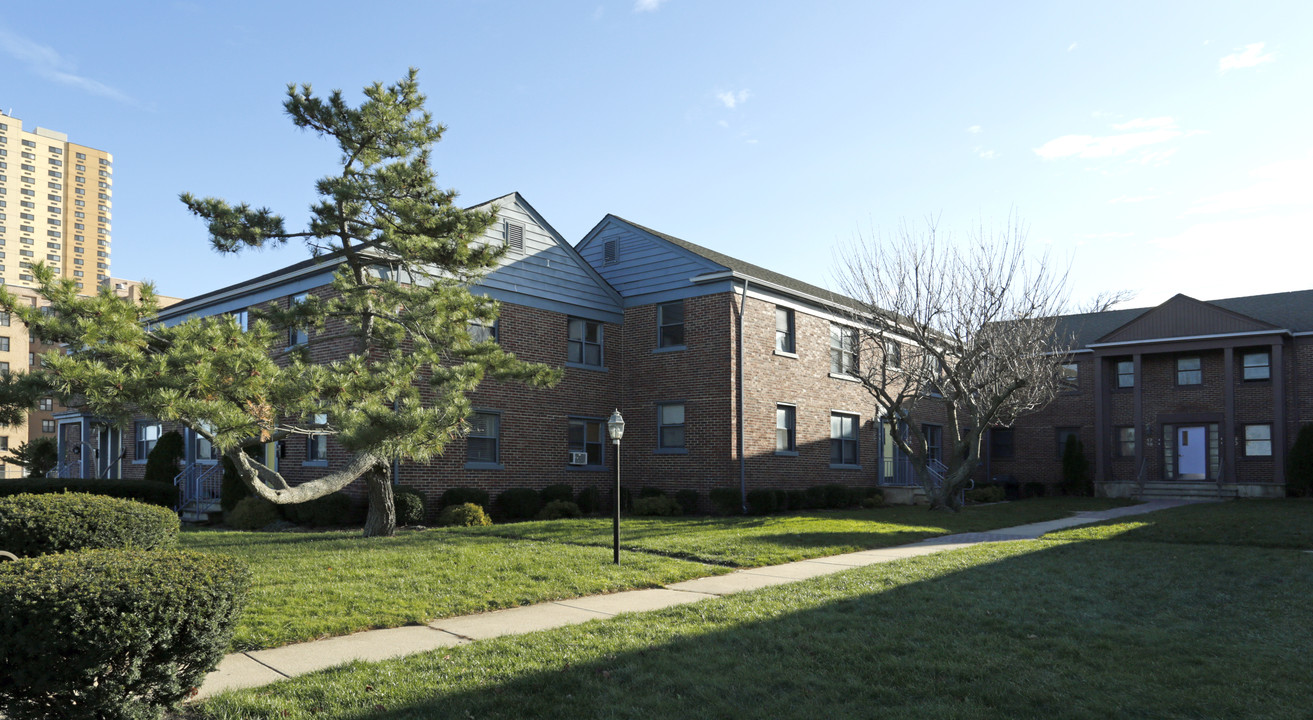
{"x": 515, "y": 237}
{"x": 610, "y": 251}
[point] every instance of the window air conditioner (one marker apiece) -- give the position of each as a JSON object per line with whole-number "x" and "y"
{"x": 578, "y": 458}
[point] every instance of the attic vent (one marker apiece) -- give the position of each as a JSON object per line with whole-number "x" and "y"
{"x": 515, "y": 237}
{"x": 610, "y": 251}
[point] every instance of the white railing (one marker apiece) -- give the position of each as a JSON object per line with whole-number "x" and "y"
{"x": 198, "y": 485}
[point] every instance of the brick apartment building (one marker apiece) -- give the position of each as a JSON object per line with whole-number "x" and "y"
{"x": 1188, "y": 398}
{"x": 640, "y": 321}
{"x": 730, "y": 375}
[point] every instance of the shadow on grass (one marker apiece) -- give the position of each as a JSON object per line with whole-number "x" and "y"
{"x": 1284, "y": 523}
{"x": 1027, "y": 630}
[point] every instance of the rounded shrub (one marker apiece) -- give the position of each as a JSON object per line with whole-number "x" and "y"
{"x": 33, "y": 525}
{"x": 797, "y": 499}
{"x": 687, "y": 499}
{"x": 650, "y": 491}
{"x": 873, "y": 500}
{"x": 986, "y": 494}
{"x": 558, "y": 509}
{"x": 409, "y": 504}
{"x": 231, "y": 487}
{"x": 252, "y": 513}
{"x": 657, "y": 505}
{"x": 553, "y": 493}
{"x": 462, "y": 495}
{"x": 590, "y": 500}
{"x": 838, "y": 497}
{"x": 814, "y": 497}
{"x": 332, "y": 510}
{"x": 464, "y": 515}
{"x": 164, "y": 461}
{"x": 761, "y": 502}
{"x": 519, "y": 503}
{"x": 113, "y": 633}
{"x": 726, "y": 500}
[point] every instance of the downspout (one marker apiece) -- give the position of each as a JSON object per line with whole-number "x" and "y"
{"x": 743, "y": 463}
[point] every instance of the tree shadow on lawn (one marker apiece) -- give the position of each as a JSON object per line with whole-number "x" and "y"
{"x": 1073, "y": 630}
{"x": 1286, "y": 523}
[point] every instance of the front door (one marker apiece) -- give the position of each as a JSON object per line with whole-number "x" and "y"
{"x": 934, "y": 441}
{"x": 1192, "y": 448}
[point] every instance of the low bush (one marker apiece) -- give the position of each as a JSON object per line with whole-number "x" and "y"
{"x": 519, "y": 504}
{"x": 1299, "y": 464}
{"x": 726, "y": 501}
{"x": 151, "y": 493}
{"x": 33, "y": 525}
{"x": 333, "y": 510}
{"x": 409, "y": 504}
{"x": 797, "y": 499}
{"x": 463, "y": 515}
{"x": 986, "y": 494}
{"x": 814, "y": 497}
{"x": 462, "y": 495}
{"x": 553, "y": 493}
{"x": 1033, "y": 490}
{"x": 838, "y": 497}
{"x": 657, "y": 505}
{"x": 872, "y": 498}
{"x": 650, "y": 491}
{"x": 252, "y": 513}
{"x": 687, "y": 499}
{"x": 164, "y": 461}
{"x": 762, "y": 502}
{"x": 590, "y": 500}
{"x": 558, "y": 509}
{"x": 231, "y": 487}
{"x": 113, "y": 633}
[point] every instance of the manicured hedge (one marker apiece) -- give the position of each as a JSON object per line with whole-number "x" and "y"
{"x": 153, "y": 493}
{"x": 462, "y": 495}
{"x": 113, "y": 633}
{"x": 553, "y": 493}
{"x": 590, "y": 500}
{"x": 33, "y": 525}
{"x": 519, "y": 504}
{"x": 727, "y": 501}
{"x": 464, "y": 515}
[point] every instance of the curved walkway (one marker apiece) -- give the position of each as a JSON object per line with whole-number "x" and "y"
{"x": 261, "y": 667}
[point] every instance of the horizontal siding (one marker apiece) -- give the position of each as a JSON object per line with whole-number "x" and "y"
{"x": 545, "y": 269}
{"x": 645, "y": 264}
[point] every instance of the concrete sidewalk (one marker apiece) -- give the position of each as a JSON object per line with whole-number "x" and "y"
{"x": 261, "y": 667}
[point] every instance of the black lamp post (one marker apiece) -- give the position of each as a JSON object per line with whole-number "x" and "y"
{"x": 615, "y": 428}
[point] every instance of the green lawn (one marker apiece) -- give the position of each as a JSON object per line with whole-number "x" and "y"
{"x": 769, "y": 540}
{"x": 1048, "y": 629}
{"x": 313, "y": 585}
{"x": 1259, "y": 523}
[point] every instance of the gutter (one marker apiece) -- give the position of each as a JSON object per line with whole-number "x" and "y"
{"x": 1216, "y": 336}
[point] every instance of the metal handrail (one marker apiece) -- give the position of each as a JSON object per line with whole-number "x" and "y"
{"x": 198, "y": 483}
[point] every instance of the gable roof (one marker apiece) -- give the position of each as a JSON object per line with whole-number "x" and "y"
{"x": 1183, "y": 316}
{"x": 749, "y": 270}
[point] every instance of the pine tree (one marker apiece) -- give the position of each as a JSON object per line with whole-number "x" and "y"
{"x": 38, "y": 457}
{"x": 405, "y": 256}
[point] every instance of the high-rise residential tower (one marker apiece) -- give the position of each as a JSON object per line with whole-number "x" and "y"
{"x": 56, "y": 199}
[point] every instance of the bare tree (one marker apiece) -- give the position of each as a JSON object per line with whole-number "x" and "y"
{"x": 966, "y": 332}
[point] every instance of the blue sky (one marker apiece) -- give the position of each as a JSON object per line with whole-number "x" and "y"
{"x": 1158, "y": 147}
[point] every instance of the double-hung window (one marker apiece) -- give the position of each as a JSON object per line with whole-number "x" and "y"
{"x": 483, "y": 333}
{"x": 1189, "y": 371}
{"x": 1257, "y": 366}
{"x": 1258, "y": 440}
{"x": 784, "y": 334}
{"x": 893, "y": 355}
{"x": 843, "y": 350}
{"x": 46, "y": 404}
{"x": 316, "y": 445}
{"x": 1125, "y": 446}
{"x": 483, "y": 444}
{"x": 843, "y": 439}
{"x": 1069, "y": 376}
{"x": 205, "y": 449}
{"x": 670, "y": 426}
{"x": 1125, "y": 373}
{"x": 297, "y": 335}
{"x": 586, "y": 436}
{"x": 147, "y": 434}
{"x": 585, "y": 344}
{"x": 670, "y": 324}
{"x": 1001, "y": 444}
{"x": 786, "y": 428}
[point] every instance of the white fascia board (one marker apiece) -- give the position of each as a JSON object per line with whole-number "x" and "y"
{"x": 1186, "y": 338}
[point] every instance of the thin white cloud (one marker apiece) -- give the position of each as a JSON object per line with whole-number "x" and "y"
{"x": 1249, "y": 57}
{"x": 647, "y": 5}
{"x": 986, "y": 154}
{"x": 1071, "y": 47}
{"x": 1132, "y": 199}
{"x": 732, "y": 99}
{"x": 1145, "y": 132}
{"x": 46, "y": 62}
{"x": 975, "y": 129}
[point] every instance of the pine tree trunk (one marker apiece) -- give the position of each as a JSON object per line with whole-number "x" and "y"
{"x": 382, "y": 518}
